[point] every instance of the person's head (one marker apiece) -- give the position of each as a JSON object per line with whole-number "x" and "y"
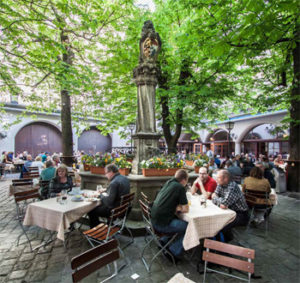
{"x": 203, "y": 174}
{"x": 256, "y": 173}
{"x": 223, "y": 177}
{"x": 49, "y": 163}
{"x": 110, "y": 171}
{"x": 260, "y": 165}
{"x": 182, "y": 176}
{"x": 228, "y": 164}
{"x": 62, "y": 171}
{"x": 55, "y": 158}
{"x": 29, "y": 157}
{"x": 38, "y": 158}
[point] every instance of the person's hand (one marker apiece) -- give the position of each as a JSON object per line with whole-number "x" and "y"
{"x": 178, "y": 208}
{"x": 213, "y": 195}
{"x": 223, "y": 206}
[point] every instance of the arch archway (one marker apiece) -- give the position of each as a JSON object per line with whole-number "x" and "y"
{"x": 38, "y": 137}
{"x": 264, "y": 139}
{"x": 92, "y": 141}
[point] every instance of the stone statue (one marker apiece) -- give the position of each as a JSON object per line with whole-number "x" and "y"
{"x": 145, "y": 76}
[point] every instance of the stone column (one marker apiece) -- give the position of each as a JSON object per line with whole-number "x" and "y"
{"x": 237, "y": 148}
{"x": 145, "y": 77}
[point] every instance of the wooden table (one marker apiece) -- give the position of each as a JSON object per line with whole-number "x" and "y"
{"x": 204, "y": 222}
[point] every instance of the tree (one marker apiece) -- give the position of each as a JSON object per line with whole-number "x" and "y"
{"x": 51, "y": 48}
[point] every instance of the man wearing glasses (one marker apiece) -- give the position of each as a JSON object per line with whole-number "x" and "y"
{"x": 111, "y": 197}
{"x": 204, "y": 184}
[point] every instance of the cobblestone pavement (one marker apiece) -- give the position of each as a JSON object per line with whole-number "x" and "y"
{"x": 277, "y": 251}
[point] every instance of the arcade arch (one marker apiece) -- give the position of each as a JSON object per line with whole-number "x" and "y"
{"x": 92, "y": 141}
{"x": 37, "y": 137}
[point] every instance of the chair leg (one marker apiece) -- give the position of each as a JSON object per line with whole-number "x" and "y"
{"x": 24, "y": 232}
{"x": 131, "y": 236}
{"x": 204, "y": 275}
{"x": 250, "y": 218}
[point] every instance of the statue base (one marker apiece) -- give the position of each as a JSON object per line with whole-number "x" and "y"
{"x": 146, "y": 147}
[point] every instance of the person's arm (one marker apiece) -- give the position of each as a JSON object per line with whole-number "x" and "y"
{"x": 182, "y": 208}
{"x": 194, "y": 188}
{"x": 203, "y": 191}
{"x": 109, "y": 200}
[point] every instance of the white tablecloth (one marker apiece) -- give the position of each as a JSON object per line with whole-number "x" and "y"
{"x": 51, "y": 215}
{"x": 204, "y": 222}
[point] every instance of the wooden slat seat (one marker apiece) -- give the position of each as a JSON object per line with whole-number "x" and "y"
{"x": 243, "y": 264}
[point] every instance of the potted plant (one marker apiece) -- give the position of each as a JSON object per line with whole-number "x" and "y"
{"x": 161, "y": 166}
{"x": 87, "y": 161}
{"x": 99, "y": 162}
{"x": 201, "y": 161}
{"x": 189, "y": 159}
{"x": 124, "y": 165}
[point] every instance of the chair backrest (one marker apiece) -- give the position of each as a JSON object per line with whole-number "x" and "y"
{"x": 26, "y": 195}
{"x": 229, "y": 261}
{"x": 22, "y": 182}
{"x": 256, "y": 197}
{"x": 33, "y": 169}
{"x": 93, "y": 259}
{"x": 145, "y": 199}
{"x": 119, "y": 213}
{"x": 146, "y": 212}
{"x": 31, "y": 175}
{"x": 127, "y": 198}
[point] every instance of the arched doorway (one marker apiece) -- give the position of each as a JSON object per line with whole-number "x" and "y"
{"x": 92, "y": 141}
{"x": 218, "y": 143}
{"x": 265, "y": 139}
{"x": 38, "y": 137}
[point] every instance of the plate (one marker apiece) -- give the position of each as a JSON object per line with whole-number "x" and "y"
{"x": 71, "y": 193}
{"x": 92, "y": 199}
{"x": 77, "y": 199}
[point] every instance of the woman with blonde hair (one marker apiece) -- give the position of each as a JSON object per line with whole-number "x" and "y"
{"x": 62, "y": 181}
{"x": 38, "y": 163}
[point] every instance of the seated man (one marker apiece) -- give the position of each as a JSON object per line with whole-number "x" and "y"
{"x": 119, "y": 186}
{"x": 229, "y": 195}
{"x": 171, "y": 199}
{"x": 204, "y": 184}
{"x": 235, "y": 171}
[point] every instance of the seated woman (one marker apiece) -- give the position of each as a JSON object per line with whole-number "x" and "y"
{"x": 61, "y": 181}
{"x": 38, "y": 163}
{"x": 256, "y": 182}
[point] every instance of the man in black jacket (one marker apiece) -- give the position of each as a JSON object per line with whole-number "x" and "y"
{"x": 119, "y": 186}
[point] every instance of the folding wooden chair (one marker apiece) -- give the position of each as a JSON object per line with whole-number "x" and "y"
{"x": 21, "y": 201}
{"x": 21, "y": 185}
{"x": 31, "y": 175}
{"x": 155, "y": 237}
{"x": 228, "y": 261}
{"x": 95, "y": 258}
{"x": 128, "y": 199}
{"x": 33, "y": 169}
{"x": 260, "y": 201}
{"x": 103, "y": 232}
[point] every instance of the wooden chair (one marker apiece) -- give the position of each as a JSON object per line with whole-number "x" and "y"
{"x": 128, "y": 199}
{"x": 21, "y": 185}
{"x": 228, "y": 261}
{"x": 260, "y": 201}
{"x": 95, "y": 258}
{"x": 103, "y": 232}
{"x": 31, "y": 175}
{"x": 21, "y": 201}
{"x": 33, "y": 169}
{"x": 155, "y": 237}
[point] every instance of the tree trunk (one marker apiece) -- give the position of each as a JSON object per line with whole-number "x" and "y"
{"x": 294, "y": 167}
{"x": 66, "y": 120}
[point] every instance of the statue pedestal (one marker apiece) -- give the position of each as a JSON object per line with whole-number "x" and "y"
{"x": 138, "y": 184}
{"x": 146, "y": 147}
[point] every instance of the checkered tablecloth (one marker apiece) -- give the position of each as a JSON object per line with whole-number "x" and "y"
{"x": 53, "y": 216}
{"x": 204, "y": 222}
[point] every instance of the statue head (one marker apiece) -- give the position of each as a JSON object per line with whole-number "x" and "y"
{"x": 150, "y": 43}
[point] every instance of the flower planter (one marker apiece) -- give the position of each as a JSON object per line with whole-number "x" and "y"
{"x": 124, "y": 171}
{"x": 86, "y": 167}
{"x": 97, "y": 170}
{"x": 197, "y": 169}
{"x": 150, "y": 172}
{"x": 189, "y": 162}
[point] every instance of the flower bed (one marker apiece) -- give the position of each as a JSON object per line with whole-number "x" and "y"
{"x": 124, "y": 171}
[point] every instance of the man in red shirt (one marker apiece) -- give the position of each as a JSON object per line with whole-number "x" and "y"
{"x": 204, "y": 183}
